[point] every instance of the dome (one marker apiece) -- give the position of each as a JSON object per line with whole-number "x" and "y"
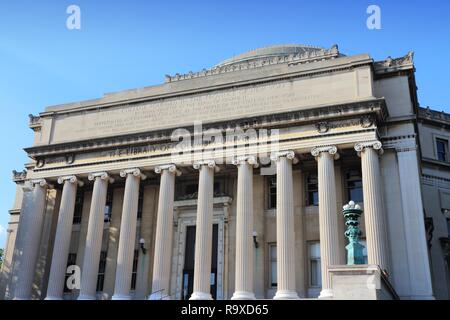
{"x": 267, "y": 52}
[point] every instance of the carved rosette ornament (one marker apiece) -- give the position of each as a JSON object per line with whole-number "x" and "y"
{"x": 288, "y": 154}
{"x": 170, "y": 167}
{"x": 376, "y": 145}
{"x": 325, "y": 149}
{"x": 135, "y": 172}
{"x": 246, "y": 159}
{"x": 210, "y": 163}
{"x": 71, "y": 179}
{"x": 100, "y": 175}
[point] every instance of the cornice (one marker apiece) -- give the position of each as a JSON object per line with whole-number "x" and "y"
{"x": 322, "y": 115}
{"x": 433, "y": 116}
{"x": 289, "y": 59}
{"x": 395, "y": 64}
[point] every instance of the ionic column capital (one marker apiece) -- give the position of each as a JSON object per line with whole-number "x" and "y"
{"x": 170, "y": 167}
{"x": 100, "y": 175}
{"x": 71, "y": 179}
{"x": 41, "y": 183}
{"x": 134, "y": 171}
{"x": 317, "y": 151}
{"x": 289, "y": 154}
{"x": 210, "y": 163}
{"x": 246, "y": 159}
{"x": 375, "y": 145}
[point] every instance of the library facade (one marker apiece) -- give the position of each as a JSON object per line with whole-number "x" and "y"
{"x": 230, "y": 183}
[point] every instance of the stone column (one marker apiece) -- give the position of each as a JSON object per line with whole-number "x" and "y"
{"x": 62, "y": 238}
{"x": 285, "y": 226}
{"x": 31, "y": 220}
{"x": 127, "y": 236}
{"x": 376, "y": 238}
{"x": 413, "y": 219}
{"x": 244, "y": 229}
{"x": 94, "y": 237}
{"x": 203, "y": 234}
{"x": 328, "y": 228}
{"x": 164, "y": 233}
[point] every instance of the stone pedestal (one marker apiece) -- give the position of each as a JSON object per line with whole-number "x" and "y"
{"x": 360, "y": 282}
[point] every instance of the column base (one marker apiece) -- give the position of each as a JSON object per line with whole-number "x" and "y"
{"x": 121, "y": 297}
{"x": 86, "y": 297}
{"x": 53, "y": 298}
{"x": 201, "y": 296}
{"x": 286, "y": 295}
{"x": 326, "y": 294}
{"x": 243, "y": 295}
{"x": 158, "y": 296}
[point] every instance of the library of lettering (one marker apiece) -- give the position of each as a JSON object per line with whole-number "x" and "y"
{"x": 286, "y": 172}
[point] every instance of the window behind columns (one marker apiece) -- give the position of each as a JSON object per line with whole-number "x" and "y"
{"x": 315, "y": 275}
{"x": 108, "y": 205}
{"x": 101, "y": 271}
{"x": 353, "y": 185}
{"x": 140, "y": 202}
{"x": 134, "y": 273}
{"x": 273, "y": 281}
{"x": 312, "y": 189}
{"x": 272, "y": 192}
{"x": 78, "y": 212}
{"x": 71, "y": 260}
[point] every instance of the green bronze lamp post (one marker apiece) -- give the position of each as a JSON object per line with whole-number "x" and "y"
{"x": 352, "y": 212}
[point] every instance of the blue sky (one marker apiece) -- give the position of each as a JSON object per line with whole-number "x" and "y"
{"x": 128, "y": 44}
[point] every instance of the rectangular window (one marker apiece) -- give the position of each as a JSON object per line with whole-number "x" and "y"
{"x": 134, "y": 274}
{"x": 272, "y": 192}
{"x": 108, "y": 205}
{"x": 312, "y": 190}
{"x": 101, "y": 271}
{"x": 353, "y": 184}
{"x": 71, "y": 260}
{"x": 441, "y": 149}
{"x": 78, "y": 212}
{"x": 140, "y": 203}
{"x": 273, "y": 264}
{"x": 315, "y": 278}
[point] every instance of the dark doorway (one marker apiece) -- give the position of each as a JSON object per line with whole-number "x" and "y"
{"x": 188, "y": 271}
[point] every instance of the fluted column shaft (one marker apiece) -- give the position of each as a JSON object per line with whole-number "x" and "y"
{"x": 32, "y": 218}
{"x": 203, "y": 234}
{"x": 127, "y": 234}
{"x": 244, "y": 230}
{"x": 285, "y": 227}
{"x": 413, "y": 219}
{"x": 328, "y": 227}
{"x": 374, "y": 216}
{"x": 94, "y": 237}
{"x": 164, "y": 233}
{"x": 62, "y": 238}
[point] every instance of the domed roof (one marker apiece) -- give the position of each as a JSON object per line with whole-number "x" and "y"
{"x": 271, "y": 51}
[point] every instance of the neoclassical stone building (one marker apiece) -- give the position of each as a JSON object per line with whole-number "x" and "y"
{"x": 229, "y": 183}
